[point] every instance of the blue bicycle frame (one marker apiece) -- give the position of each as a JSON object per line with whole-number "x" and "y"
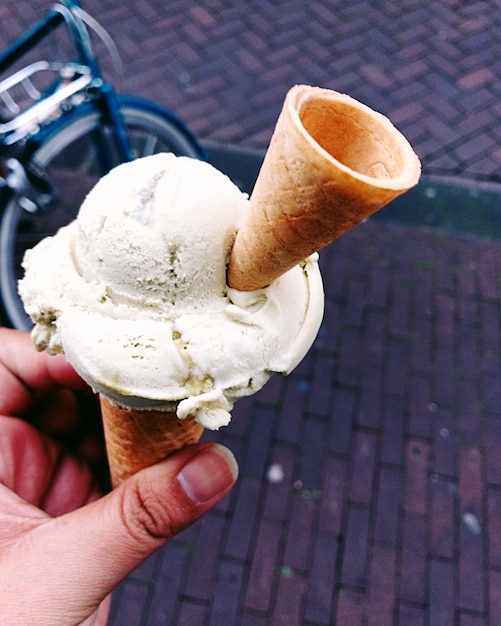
{"x": 66, "y": 11}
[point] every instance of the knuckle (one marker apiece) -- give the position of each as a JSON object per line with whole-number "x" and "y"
{"x": 147, "y": 515}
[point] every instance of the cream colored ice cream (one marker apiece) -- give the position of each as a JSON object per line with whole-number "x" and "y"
{"x": 134, "y": 293}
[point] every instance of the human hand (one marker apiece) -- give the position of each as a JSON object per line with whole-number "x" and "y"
{"x": 63, "y": 547}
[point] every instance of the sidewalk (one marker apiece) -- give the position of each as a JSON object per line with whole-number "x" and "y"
{"x": 370, "y": 487}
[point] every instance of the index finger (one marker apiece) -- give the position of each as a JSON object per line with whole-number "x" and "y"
{"x": 24, "y": 371}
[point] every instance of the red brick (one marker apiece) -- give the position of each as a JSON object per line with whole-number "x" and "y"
{"x": 416, "y": 477}
{"x": 258, "y": 442}
{"x": 369, "y": 398}
{"x": 387, "y": 507}
{"x": 413, "y": 566}
{"x": 310, "y": 465}
{"x": 468, "y": 352}
{"x": 420, "y": 357}
{"x": 320, "y": 397}
{"x": 445, "y": 322}
{"x": 493, "y": 450}
{"x": 444, "y": 444}
{"x": 278, "y": 494}
{"x": 355, "y": 301}
{"x": 445, "y": 277}
{"x": 382, "y": 591}
{"x": 263, "y": 567}
{"x": 470, "y": 481}
{"x": 204, "y": 557}
{"x": 396, "y": 366}
{"x": 379, "y": 285}
{"x": 467, "y": 297}
{"x": 467, "y": 619}
{"x": 445, "y": 377}
{"x": 420, "y": 401}
{"x": 241, "y": 530}
{"x": 350, "y": 609}
{"x": 471, "y": 591}
{"x": 410, "y": 615}
{"x": 422, "y": 298}
{"x": 469, "y": 413}
{"x": 322, "y": 579}
{"x": 490, "y": 337}
{"x": 341, "y": 419}
{"x": 332, "y": 501}
{"x": 442, "y": 518}
{"x": 362, "y": 473}
{"x": 495, "y": 596}
{"x": 393, "y": 430}
{"x": 442, "y": 600}
{"x": 225, "y": 604}
{"x": 477, "y": 78}
{"x": 487, "y": 272}
{"x": 349, "y": 358}
{"x": 292, "y": 410}
{"x": 494, "y": 527}
{"x": 299, "y": 536}
{"x": 163, "y": 606}
{"x": 132, "y": 603}
{"x": 190, "y": 614}
{"x": 398, "y": 315}
{"x": 354, "y": 561}
{"x": 289, "y": 602}
{"x": 374, "y": 337}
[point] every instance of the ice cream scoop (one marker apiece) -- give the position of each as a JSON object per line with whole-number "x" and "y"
{"x": 173, "y": 295}
{"x": 134, "y": 293}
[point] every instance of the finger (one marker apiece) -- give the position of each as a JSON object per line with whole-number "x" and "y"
{"x": 40, "y": 471}
{"x": 106, "y": 540}
{"x": 23, "y": 370}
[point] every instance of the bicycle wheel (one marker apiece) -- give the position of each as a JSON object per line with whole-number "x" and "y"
{"x": 68, "y": 156}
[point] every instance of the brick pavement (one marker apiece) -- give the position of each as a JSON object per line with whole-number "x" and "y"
{"x": 434, "y": 68}
{"x": 370, "y": 490}
{"x": 371, "y": 477}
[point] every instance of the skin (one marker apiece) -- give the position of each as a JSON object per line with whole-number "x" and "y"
{"x": 64, "y": 544}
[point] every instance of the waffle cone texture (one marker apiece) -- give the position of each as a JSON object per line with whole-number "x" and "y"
{"x": 331, "y": 163}
{"x": 138, "y": 439}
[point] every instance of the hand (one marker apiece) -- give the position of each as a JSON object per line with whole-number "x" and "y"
{"x": 63, "y": 546}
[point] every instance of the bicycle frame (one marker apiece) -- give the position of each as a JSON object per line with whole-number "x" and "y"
{"x": 67, "y": 12}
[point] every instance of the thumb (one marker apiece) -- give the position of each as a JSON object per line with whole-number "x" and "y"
{"x": 101, "y": 543}
{"x": 122, "y": 529}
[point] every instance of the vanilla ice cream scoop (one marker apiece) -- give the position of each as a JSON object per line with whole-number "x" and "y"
{"x": 134, "y": 293}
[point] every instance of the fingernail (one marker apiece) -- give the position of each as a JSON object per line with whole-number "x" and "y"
{"x": 208, "y": 474}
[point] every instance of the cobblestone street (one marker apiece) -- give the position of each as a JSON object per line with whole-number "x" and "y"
{"x": 370, "y": 487}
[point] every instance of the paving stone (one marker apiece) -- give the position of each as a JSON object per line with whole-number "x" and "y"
{"x": 350, "y": 608}
{"x": 407, "y": 365}
{"x": 320, "y": 597}
{"x": 289, "y": 602}
{"x": 413, "y": 563}
{"x": 355, "y": 550}
{"x": 263, "y": 570}
{"x": 416, "y": 477}
{"x": 442, "y": 517}
{"x": 442, "y": 600}
{"x": 387, "y": 520}
{"x": 382, "y": 591}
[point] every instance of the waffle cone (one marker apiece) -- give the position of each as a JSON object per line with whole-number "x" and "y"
{"x": 331, "y": 163}
{"x": 137, "y": 439}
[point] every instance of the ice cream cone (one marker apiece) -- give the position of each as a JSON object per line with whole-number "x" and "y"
{"x": 331, "y": 163}
{"x": 137, "y": 439}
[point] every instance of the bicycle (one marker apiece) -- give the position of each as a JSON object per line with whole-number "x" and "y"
{"x": 65, "y": 127}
